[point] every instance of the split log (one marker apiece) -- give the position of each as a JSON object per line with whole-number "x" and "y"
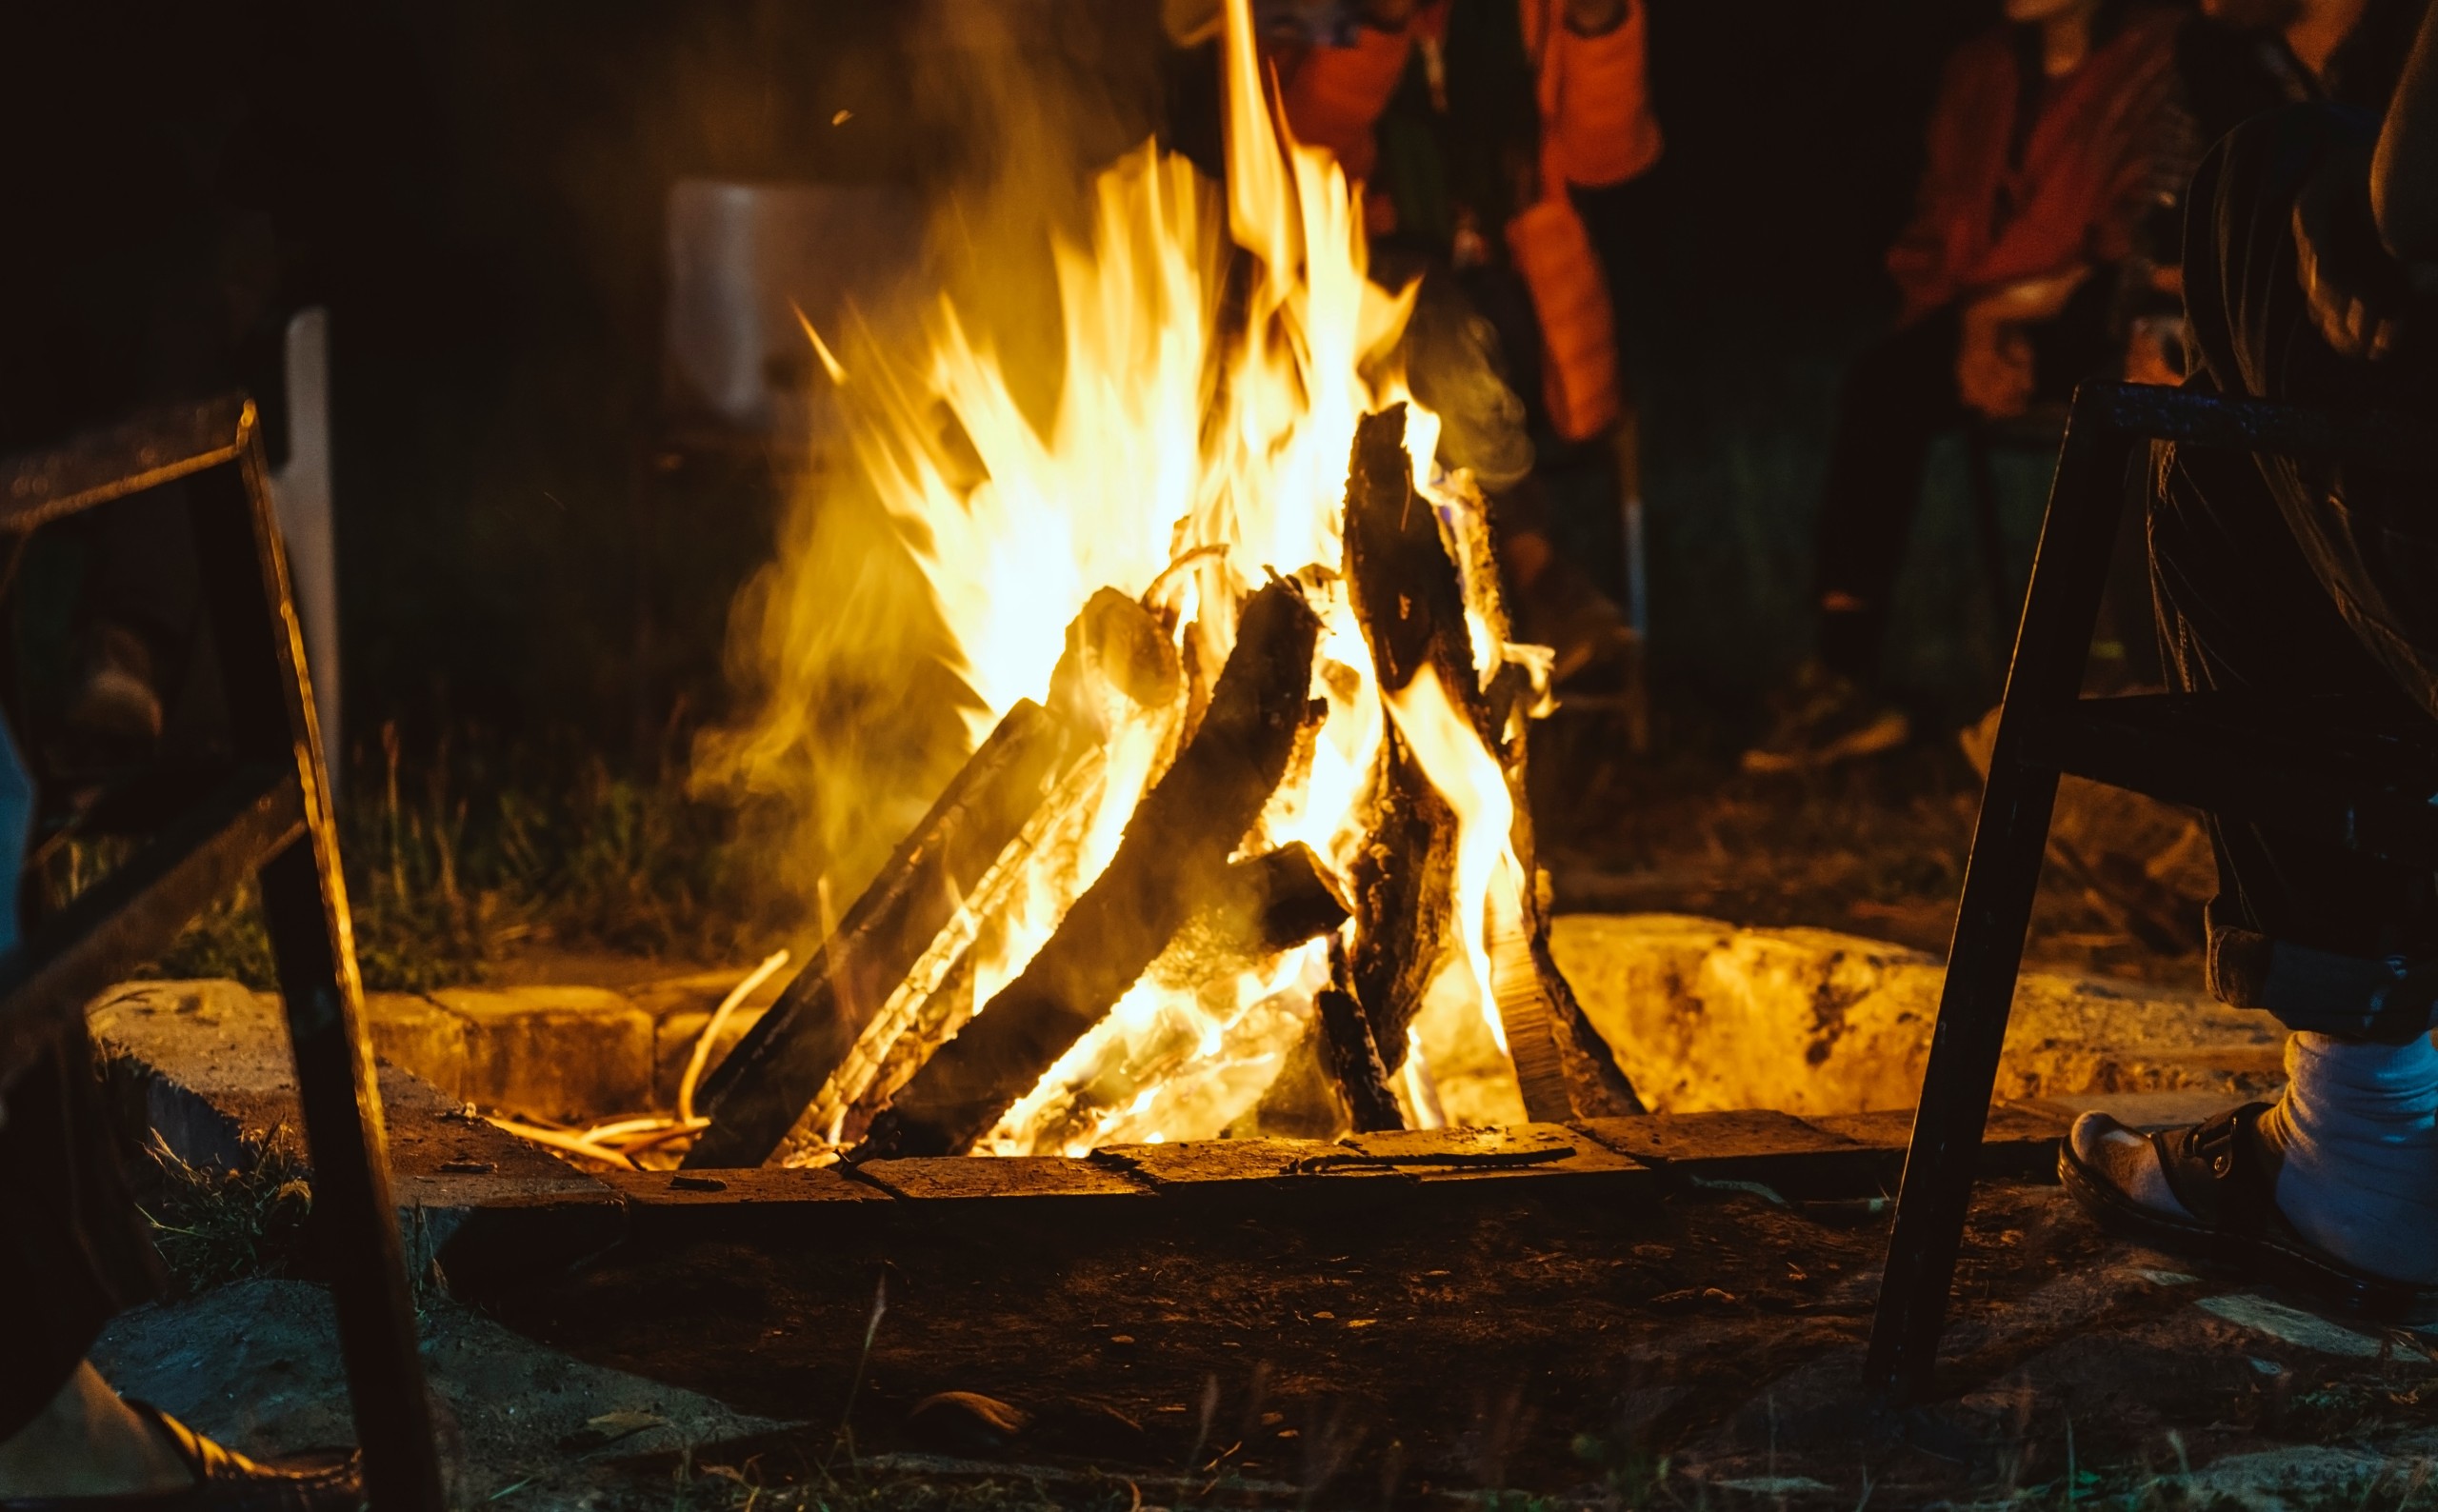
{"x": 1353, "y": 1055}
{"x": 1597, "y": 1086}
{"x": 1117, "y": 664}
{"x": 1537, "y": 1005}
{"x": 1411, "y": 603}
{"x": 1403, "y": 581}
{"x": 936, "y": 996}
{"x": 1173, "y": 860}
{"x": 777, "y": 1070}
{"x": 1408, "y": 592}
{"x": 1274, "y": 902}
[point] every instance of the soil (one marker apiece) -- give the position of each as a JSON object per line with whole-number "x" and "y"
{"x": 1876, "y": 848}
{"x": 1711, "y": 1339}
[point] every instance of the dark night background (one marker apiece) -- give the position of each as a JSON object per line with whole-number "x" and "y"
{"x": 474, "y": 188}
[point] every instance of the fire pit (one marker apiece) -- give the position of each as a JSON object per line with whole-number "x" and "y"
{"x": 1241, "y": 845}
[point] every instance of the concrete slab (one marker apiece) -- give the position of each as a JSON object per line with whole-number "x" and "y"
{"x": 205, "y": 1065}
{"x": 1704, "y": 1016}
{"x": 571, "y": 1053}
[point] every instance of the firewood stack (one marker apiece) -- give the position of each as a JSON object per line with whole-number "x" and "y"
{"x": 880, "y": 1047}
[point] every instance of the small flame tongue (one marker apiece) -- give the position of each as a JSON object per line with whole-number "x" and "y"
{"x": 1451, "y": 755}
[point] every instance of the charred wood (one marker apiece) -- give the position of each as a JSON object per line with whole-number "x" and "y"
{"x": 1353, "y": 1055}
{"x": 1404, "y": 582}
{"x": 1303, "y": 1101}
{"x": 1172, "y": 861}
{"x": 1409, "y": 599}
{"x": 1403, "y": 881}
{"x": 779, "y": 1066}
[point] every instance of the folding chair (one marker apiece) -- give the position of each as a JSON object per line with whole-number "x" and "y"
{"x": 2313, "y": 771}
{"x": 268, "y": 810}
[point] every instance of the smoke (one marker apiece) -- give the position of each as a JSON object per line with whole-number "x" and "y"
{"x": 853, "y": 710}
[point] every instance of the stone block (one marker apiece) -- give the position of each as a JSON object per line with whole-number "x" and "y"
{"x": 575, "y": 1053}
{"x": 414, "y": 1033}
{"x": 202, "y": 1064}
{"x": 1708, "y": 1017}
{"x": 206, "y": 1065}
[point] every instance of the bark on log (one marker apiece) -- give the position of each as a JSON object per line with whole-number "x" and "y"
{"x": 1407, "y": 591}
{"x": 1404, "y": 584}
{"x": 1173, "y": 860}
{"x": 1353, "y": 1055}
{"x": 778, "y": 1068}
{"x": 1283, "y": 897}
{"x": 1410, "y": 601}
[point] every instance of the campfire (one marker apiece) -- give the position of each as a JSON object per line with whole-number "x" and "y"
{"x": 1241, "y": 845}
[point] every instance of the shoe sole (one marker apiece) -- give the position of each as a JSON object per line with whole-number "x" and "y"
{"x": 2322, "y": 1278}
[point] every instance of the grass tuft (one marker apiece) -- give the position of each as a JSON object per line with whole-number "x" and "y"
{"x": 215, "y": 1227}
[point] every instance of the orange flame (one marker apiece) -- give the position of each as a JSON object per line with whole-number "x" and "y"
{"x": 1185, "y": 458}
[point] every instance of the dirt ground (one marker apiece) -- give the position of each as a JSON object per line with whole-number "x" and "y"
{"x": 1700, "y": 1350}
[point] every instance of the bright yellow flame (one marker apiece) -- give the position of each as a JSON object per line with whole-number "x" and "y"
{"x": 1451, "y": 754}
{"x": 1186, "y": 456}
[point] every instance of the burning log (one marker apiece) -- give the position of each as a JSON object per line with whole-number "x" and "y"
{"x": 1404, "y": 584}
{"x": 779, "y": 1066}
{"x": 1118, "y": 661}
{"x": 1172, "y": 861}
{"x": 1407, "y": 591}
{"x": 1411, "y": 603}
{"x": 1274, "y": 903}
{"x": 937, "y": 996}
{"x": 1353, "y": 1055}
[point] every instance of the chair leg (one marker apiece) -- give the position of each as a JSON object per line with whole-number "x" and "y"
{"x": 270, "y": 717}
{"x": 2000, "y": 881}
{"x": 2001, "y": 877}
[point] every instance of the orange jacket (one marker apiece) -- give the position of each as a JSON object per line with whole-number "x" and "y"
{"x": 1982, "y": 220}
{"x": 1594, "y": 96}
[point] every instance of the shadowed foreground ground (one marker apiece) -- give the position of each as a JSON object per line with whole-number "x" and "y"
{"x": 1700, "y": 1352}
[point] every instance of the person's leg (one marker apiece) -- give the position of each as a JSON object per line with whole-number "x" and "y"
{"x": 86, "y": 1442}
{"x": 2295, "y": 582}
{"x": 1898, "y": 396}
{"x": 2303, "y": 930}
{"x": 72, "y": 1255}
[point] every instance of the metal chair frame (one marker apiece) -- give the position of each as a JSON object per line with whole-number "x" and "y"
{"x": 2370, "y": 791}
{"x": 268, "y": 812}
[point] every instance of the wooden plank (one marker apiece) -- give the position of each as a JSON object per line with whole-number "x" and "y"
{"x": 270, "y": 699}
{"x": 131, "y": 916}
{"x": 144, "y": 452}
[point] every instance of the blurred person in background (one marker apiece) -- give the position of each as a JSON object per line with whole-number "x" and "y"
{"x": 1472, "y": 127}
{"x": 2040, "y": 147}
{"x": 2236, "y": 59}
